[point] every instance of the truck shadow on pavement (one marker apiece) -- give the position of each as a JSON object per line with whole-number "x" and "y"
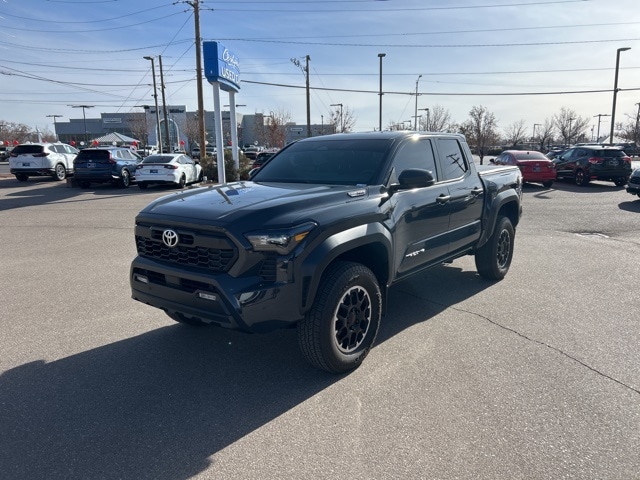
{"x": 159, "y": 405}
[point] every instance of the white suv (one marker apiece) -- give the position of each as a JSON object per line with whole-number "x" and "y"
{"x": 42, "y": 159}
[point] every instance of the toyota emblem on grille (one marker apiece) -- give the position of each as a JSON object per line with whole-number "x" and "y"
{"x": 170, "y": 238}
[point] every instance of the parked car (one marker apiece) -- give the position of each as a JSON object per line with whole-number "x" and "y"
{"x": 633, "y": 184}
{"x": 5, "y": 152}
{"x": 535, "y": 166}
{"x": 195, "y": 153}
{"x": 168, "y": 168}
{"x": 594, "y": 162}
{"x": 630, "y": 149}
{"x": 261, "y": 158}
{"x": 42, "y": 159}
{"x": 554, "y": 153}
{"x": 116, "y": 165}
{"x": 252, "y": 152}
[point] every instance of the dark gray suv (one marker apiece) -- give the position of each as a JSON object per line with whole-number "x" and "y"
{"x": 115, "y": 165}
{"x": 594, "y": 162}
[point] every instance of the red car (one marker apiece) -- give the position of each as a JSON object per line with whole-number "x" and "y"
{"x": 535, "y": 166}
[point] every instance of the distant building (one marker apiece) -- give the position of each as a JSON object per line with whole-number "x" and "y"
{"x": 183, "y": 128}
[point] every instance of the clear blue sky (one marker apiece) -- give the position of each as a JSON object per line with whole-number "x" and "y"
{"x": 58, "y": 53}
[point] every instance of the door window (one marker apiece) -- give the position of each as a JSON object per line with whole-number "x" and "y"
{"x": 415, "y": 153}
{"x": 454, "y": 164}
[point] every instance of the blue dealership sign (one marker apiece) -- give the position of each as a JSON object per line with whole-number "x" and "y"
{"x": 221, "y": 66}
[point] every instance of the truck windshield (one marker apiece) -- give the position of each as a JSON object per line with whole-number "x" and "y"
{"x": 328, "y": 162}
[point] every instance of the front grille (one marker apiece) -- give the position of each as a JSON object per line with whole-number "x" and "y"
{"x": 196, "y": 249}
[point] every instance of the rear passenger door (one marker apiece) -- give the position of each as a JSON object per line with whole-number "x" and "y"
{"x": 420, "y": 217}
{"x": 466, "y": 193}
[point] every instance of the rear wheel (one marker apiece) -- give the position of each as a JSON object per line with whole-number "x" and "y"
{"x": 620, "y": 181}
{"x": 547, "y": 184}
{"x": 581, "y": 178}
{"x": 341, "y": 327}
{"x": 125, "y": 178}
{"x": 60, "y": 172}
{"x": 182, "y": 182}
{"x": 84, "y": 184}
{"x": 493, "y": 259}
{"x": 21, "y": 177}
{"x": 142, "y": 185}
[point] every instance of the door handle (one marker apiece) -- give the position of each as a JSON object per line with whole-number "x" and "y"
{"x": 477, "y": 191}
{"x": 442, "y": 199}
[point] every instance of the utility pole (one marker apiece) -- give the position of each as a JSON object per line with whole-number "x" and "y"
{"x": 428, "y": 129}
{"x": 195, "y": 4}
{"x": 305, "y": 70}
{"x": 636, "y": 133}
{"x": 415, "y": 121}
{"x": 55, "y": 128}
{"x": 599, "y": 117}
{"x": 167, "y": 138}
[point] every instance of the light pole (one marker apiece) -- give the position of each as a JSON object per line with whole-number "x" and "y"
{"x": 599, "y": 117}
{"x": 84, "y": 118}
{"x": 321, "y": 124}
{"x": 155, "y": 96}
{"x": 571, "y": 119}
{"x": 428, "y": 122}
{"x": 636, "y": 133}
{"x": 341, "y": 121}
{"x": 164, "y": 108}
{"x": 380, "y": 56}
{"x": 415, "y": 120}
{"x": 615, "y": 91}
{"x": 55, "y": 128}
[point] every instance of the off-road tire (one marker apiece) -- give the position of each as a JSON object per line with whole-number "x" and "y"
{"x": 493, "y": 259}
{"x": 341, "y": 327}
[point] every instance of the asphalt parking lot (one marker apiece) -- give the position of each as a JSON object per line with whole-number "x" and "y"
{"x": 533, "y": 377}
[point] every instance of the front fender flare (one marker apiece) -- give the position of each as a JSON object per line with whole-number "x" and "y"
{"x": 340, "y": 243}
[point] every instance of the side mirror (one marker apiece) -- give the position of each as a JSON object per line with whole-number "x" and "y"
{"x": 414, "y": 178}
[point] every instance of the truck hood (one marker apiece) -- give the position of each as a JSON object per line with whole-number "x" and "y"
{"x": 270, "y": 204}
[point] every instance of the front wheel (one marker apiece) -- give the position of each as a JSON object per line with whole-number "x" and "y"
{"x": 21, "y": 177}
{"x": 581, "y": 178}
{"x": 547, "y": 184}
{"x": 493, "y": 259}
{"x": 341, "y": 327}
{"x": 60, "y": 172}
{"x": 620, "y": 181}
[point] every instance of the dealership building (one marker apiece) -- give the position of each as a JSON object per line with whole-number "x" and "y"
{"x": 182, "y": 127}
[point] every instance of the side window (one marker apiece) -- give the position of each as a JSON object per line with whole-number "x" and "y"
{"x": 57, "y": 148}
{"x": 454, "y": 165}
{"x": 416, "y": 153}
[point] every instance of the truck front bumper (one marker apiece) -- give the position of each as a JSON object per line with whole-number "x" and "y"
{"x": 246, "y": 303}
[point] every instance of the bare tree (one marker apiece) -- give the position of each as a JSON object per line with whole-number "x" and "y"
{"x": 481, "y": 130}
{"x": 139, "y": 127}
{"x": 570, "y": 126}
{"x": 545, "y": 134}
{"x": 275, "y": 129}
{"x": 191, "y": 130}
{"x": 515, "y": 133}
{"x": 342, "y": 119}
{"x": 14, "y": 132}
{"x": 436, "y": 119}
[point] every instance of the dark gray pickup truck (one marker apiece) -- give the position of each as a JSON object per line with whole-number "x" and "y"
{"x": 320, "y": 233}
